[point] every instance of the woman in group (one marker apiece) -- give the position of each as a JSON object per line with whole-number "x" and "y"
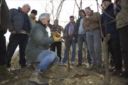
{"x": 37, "y": 51}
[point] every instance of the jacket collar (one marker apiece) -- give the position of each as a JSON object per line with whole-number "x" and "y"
{"x": 110, "y": 6}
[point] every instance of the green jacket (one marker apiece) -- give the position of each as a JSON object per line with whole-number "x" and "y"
{"x": 38, "y": 42}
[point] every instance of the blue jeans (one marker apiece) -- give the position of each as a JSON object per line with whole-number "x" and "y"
{"x": 67, "y": 49}
{"x": 94, "y": 46}
{"x": 81, "y": 41}
{"x": 46, "y": 59}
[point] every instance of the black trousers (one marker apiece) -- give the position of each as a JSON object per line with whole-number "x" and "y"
{"x": 14, "y": 41}
{"x": 124, "y": 45}
{"x": 57, "y": 46}
{"x": 116, "y": 58}
{"x": 2, "y": 49}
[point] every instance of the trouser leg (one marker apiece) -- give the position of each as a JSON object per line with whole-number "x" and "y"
{"x": 97, "y": 47}
{"x": 66, "y": 52}
{"x": 59, "y": 45}
{"x": 116, "y": 54}
{"x": 2, "y": 49}
{"x": 13, "y": 43}
{"x": 22, "y": 46}
{"x": 90, "y": 45}
{"x": 80, "y": 48}
{"x": 124, "y": 46}
{"x": 73, "y": 51}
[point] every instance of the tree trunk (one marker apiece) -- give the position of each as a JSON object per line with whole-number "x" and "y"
{"x": 59, "y": 9}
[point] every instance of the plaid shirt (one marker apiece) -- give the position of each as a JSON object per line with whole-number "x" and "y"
{"x": 56, "y": 28}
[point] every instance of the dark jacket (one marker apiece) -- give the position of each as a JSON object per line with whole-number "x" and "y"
{"x": 66, "y": 30}
{"x": 38, "y": 42}
{"x": 77, "y": 26}
{"x": 4, "y": 17}
{"x": 19, "y": 21}
{"x": 109, "y": 22}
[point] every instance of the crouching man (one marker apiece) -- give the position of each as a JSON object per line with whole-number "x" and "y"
{"x": 37, "y": 50}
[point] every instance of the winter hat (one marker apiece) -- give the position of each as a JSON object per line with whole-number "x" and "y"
{"x": 44, "y": 15}
{"x": 34, "y": 11}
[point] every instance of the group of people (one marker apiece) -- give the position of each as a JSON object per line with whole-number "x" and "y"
{"x": 38, "y": 48}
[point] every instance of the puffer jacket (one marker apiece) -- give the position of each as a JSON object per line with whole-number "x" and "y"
{"x": 38, "y": 42}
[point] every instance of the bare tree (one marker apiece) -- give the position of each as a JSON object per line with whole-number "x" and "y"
{"x": 81, "y": 2}
{"x": 74, "y": 8}
{"x": 79, "y": 5}
{"x": 52, "y": 11}
{"x": 56, "y": 14}
{"x": 46, "y": 10}
{"x": 59, "y": 9}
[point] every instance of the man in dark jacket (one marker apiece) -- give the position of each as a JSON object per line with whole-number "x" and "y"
{"x": 70, "y": 41}
{"x": 80, "y": 34}
{"x": 19, "y": 26}
{"x": 110, "y": 31}
{"x": 4, "y": 14}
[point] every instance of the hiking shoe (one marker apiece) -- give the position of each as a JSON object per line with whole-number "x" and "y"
{"x": 35, "y": 78}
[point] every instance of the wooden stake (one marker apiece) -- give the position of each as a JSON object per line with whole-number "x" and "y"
{"x": 68, "y": 67}
{"x": 107, "y": 77}
{"x": 105, "y": 51}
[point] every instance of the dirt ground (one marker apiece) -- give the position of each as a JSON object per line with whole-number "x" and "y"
{"x": 59, "y": 75}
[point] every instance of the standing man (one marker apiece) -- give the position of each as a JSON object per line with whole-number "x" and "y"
{"x": 20, "y": 28}
{"x": 32, "y": 16}
{"x": 81, "y": 37}
{"x": 111, "y": 33}
{"x": 4, "y": 15}
{"x": 70, "y": 40}
{"x": 93, "y": 37}
{"x": 57, "y": 45}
